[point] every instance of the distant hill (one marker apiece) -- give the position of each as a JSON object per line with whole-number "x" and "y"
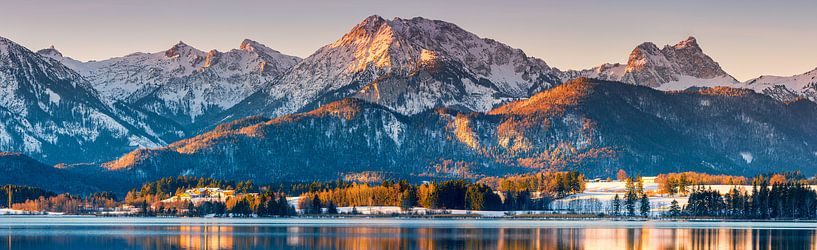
{"x": 19, "y": 169}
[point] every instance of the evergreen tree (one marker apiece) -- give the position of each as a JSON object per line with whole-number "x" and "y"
{"x": 616, "y": 205}
{"x": 674, "y": 209}
{"x": 630, "y": 197}
{"x": 316, "y": 205}
{"x": 191, "y": 209}
{"x": 283, "y": 208}
{"x": 705, "y": 202}
{"x": 754, "y": 202}
{"x": 763, "y": 200}
{"x": 331, "y": 208}
{"x": 645, "y": 205}
{"x": 242, "y": 208}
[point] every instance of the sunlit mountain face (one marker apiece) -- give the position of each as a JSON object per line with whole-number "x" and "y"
{"x": 409, "y": 98}
{"x": 409, "y": 66}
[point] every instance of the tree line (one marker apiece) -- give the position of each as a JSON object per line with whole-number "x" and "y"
{"x": 554, "y": 184}
{"x": 449, "y": 194}
{"x": 264, "y": 204}
{"x": 70, "y": 204}
{"x": 767, "y": 200}
{"x": 634, "y": 199}
{"x": 21, "y": 194}
{"x": 519, "y": 192}
{"x": 680, "y": 183}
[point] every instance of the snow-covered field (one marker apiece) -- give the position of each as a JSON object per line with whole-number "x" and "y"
{"x": 598, "y": 196}
{"x": 6, "y": 211}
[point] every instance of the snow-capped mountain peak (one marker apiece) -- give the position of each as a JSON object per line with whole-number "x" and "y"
{"x": 483, "y": 72}
{"x": 673, "y": 67}
{"x": 181, "y": 48}
{"x": 253, "y": 46}
{"x": 183, "y": 83}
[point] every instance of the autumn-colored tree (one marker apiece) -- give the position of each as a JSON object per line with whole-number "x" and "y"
{"x": 679, "y": 183}
{"x": 556, "y": 184}
{"x": 621, "y": 175}
{"x": 777, "y": 179}
{"x": 427, "y": 195}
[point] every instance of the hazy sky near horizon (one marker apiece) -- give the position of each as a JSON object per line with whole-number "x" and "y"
{"x": 748, "y": 38}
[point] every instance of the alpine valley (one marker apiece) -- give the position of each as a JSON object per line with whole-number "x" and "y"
{"x": 409, "y": 98}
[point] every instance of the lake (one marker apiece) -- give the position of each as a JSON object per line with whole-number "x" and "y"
{"x": 67, "y": 233}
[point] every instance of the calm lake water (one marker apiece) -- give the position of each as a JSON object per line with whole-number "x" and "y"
{"x": 67, "y": 233}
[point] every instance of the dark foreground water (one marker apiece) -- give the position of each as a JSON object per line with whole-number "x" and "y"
{"x": 68, "y": 233}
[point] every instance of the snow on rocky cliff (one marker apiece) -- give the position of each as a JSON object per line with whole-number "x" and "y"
{"x": 428, "y": 63}
{"x": 50, "y": 112}
{"x": 183, "y": 83}
{"x": 675, "y": 67}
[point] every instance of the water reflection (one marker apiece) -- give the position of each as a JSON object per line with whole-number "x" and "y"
{"x": 287, "y": 236}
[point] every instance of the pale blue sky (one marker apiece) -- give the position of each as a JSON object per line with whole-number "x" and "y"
{"x": 748, "y": 38}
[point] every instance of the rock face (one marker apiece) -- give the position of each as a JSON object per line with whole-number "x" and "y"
{"x": 593, "y": 126}
{"x": 677, "y": 67}
{"x": 183, "y": 84}
{"x": 787, "y": 88}
{"x": 408, "y": 65}
{"x": 50, "y": 112}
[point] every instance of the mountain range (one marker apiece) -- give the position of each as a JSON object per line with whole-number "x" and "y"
{"x": 593, "y": 126}
{"x": 404, "y": 97}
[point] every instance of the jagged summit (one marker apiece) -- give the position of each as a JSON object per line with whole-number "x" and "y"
{"x": 50, "y": 51}
{"x": 180, "y": 45}
{"x": 370, "y": 24}
{"x": 249, "y": 45}
{"x": 182, "y": 49}
{"x": 409, "y": 65}
{"x": 266, "y": 53}
{"x": 673, "y": 67}
{"x": 690, "y": 42}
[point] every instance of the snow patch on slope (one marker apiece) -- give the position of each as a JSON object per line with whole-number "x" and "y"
{"x": 748, "y": 157}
